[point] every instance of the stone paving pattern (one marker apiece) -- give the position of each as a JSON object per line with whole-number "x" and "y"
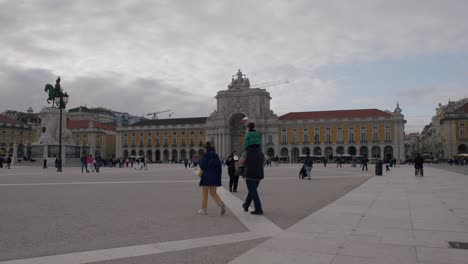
{"x": 395, "y": 218}
{"x": 125, "y": 216}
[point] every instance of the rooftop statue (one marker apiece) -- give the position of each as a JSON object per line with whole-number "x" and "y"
{"x": 240, "y": 81}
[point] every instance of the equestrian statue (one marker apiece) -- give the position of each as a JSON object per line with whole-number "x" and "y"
{"x": 54, "y": 92}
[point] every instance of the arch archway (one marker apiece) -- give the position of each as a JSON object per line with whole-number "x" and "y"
{"x": 388, "y": 153}
{"x": 183, "y": 154}
{"x": 133, "y": 152}
{"x": 166, "y": 155}
{"x": 236, "y": 132}
{"x": 149, "y": 154}
{"x": 141, "y": 153}
{"x": 125, "y": 154}
{"x": 294, "y": 154}
{"x": 329, "y": 153}
{"x": 285, "y": 153}
{"x": 271, "y": 152}
{"x": 462, "y": 148}
{"x": 158, "y": 155}
{"x": 317, "y": 151}
{"x": 364, "y": 151}
{"x": 305, "y": 150}
{"x": 175, "y": 156}
{"x": 192, "y": 153}
{"x": 340, "y": 150}
{"x": 352, "y": 150}
{"x": 376, "y": 152}
{"x": 20, "y": 151}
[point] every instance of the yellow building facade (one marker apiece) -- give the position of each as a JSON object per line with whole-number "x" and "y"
{"x": 15, "y": 138}
{"x": 371, "y": 133}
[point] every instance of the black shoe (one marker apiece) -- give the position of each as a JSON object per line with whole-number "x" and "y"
{"x": 257, "y": 212}
{"x": 234, "y": 191}
{"x": 246, "y": 208}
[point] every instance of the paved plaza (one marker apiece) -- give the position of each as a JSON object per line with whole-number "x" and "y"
{"x": 343, "y": 215}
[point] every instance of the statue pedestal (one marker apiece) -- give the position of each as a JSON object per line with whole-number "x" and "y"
{"x": 47, "y": 146}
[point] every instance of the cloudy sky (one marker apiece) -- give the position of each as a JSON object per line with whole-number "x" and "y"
{"x": 144, "y": 56}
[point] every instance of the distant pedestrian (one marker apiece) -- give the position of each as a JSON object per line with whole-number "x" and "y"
{"x": 364, "y": 163}
{"x": 387, "y": 167}
{"x": 186, "y": 163}
{"x": 231, "y": 163}
{"x": 1, "y": 162}
{"x": 211, "y": 178}
{"x": 90, "y": 161}
{"x": 8, "y": 162}
{"x": 44, "y": 166}
{"x": 308, "y": 164}
{"x": 338, "y": 162}
{"x": 418, "y": 166}
{"x": 325, "y": 162}
{"x": 84, "y": 164}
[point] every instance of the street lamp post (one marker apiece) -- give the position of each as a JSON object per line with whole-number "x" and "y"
{"x": 61, "y": 104}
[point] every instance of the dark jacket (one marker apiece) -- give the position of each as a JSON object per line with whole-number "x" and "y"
{"x": 231, "y": 164}
{"x": 211, "y": 164}
{"x": 254, "y": 164}
{"x": 418, "y": 163}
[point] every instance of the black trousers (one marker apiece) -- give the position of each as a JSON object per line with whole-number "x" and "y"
{"x": 233, "y": 182}
{"x": 252, "y": 195}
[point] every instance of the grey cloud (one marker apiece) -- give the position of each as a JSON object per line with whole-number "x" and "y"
{"x": 187, "y": 50}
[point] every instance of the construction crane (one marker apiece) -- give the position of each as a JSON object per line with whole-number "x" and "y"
{"x": 155, "y": 114}
{"x": 170, "y": 115}
{"x": 267, "y": 84}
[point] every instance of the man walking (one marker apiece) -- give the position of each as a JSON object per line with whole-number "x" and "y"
{"x": 8, "y": 161}
{"x": 45, "y": 164}
{"x": 84, "y": 164}
{"x": 364, "y": 163}
{"x": 308, "y": 164}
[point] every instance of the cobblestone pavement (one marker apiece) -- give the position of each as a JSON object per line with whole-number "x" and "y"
{"x": 132, "y": 216}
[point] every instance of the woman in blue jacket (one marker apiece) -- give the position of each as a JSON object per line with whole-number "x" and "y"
{"x": 211, "y": 179}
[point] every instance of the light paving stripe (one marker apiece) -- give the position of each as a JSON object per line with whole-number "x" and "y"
{"x": 164, "y": 181}
{"x": 139, "y": 250}
{"x": 256, "y": 223}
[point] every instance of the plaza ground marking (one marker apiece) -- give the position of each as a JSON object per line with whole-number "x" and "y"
{"x": 138, "y": 250}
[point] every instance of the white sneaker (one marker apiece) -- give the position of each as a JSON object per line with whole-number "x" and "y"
{"x": 202, "y": 211}
{"x": 223, "y": 208}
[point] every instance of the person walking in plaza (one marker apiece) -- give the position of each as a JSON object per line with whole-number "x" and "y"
{"x": 364, "y": 163}
{"x": 231, "y": 165}
{"x": 90, "y": 161}
{"x": 211, "y": 178}
{"x": 186, "y": 163}
{"x": 1, "y": 162}
{"x": 418, "y": 165}
{"x": 254, "y": 160}
{"x": 44, "y": 165}
{"x": 8, "y": 162}
{"x": 308, "y": 164}
{"x": 325, "y": 162}
{"x": 84, "y": 164}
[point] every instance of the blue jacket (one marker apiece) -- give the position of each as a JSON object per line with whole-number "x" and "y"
{"x": 211, "y": 164}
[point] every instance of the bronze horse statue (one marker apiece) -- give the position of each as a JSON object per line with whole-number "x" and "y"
{"x": 53, "y": 92}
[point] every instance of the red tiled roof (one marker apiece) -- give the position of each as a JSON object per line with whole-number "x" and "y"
{"x": 76, "y": 124}
{"x": 6, "y": 119}
{"x": 339, "y": 114}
